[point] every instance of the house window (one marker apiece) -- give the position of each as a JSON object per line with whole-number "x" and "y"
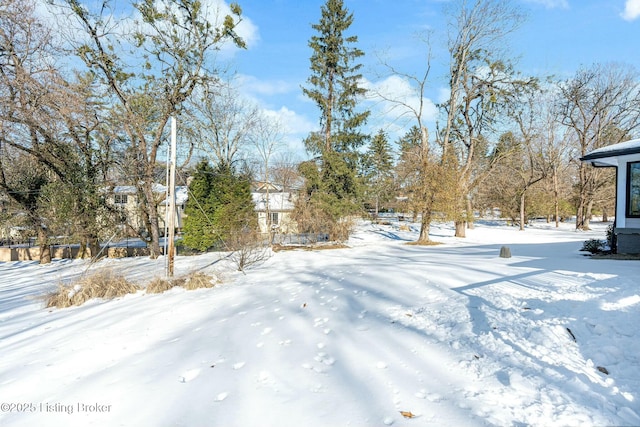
{"x": 274, "y": 218}
{"x": 633, "y": 190}
{"x": 120, "y": 199}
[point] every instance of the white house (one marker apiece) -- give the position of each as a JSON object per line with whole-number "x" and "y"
{"x": 278, "y": 207}
{"x": 625, "y": 157}
{"x": 125, "y": 198}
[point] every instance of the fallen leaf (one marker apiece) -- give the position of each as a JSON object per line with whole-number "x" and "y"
{"x": 407, "y": 414}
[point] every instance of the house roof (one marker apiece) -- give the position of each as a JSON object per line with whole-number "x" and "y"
{"x": 608, "y": 156}
{"x": 282, "y": 202}
{"x": 181, "y": 192}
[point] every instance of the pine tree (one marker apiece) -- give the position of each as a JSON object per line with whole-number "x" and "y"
{"x": 334, "y": 87}
{"x": 198, "y": 229}
{"x": 219, "y": 207}
{"x": 234, "y": 211}
{"x": 378, "y": 170}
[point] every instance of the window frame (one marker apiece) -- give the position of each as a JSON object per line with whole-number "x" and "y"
{"x": 632, "y": 209}
{"x": 274, "y": 218}
{"x": 121, "y": 199}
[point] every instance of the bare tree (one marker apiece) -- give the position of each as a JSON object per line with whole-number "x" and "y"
{"x": 533, "y": 153}
{"x": 419, "y": 163}
{"x": 284, "y": 171}
{"x": 169, "y": 52}
{"x": 482, "y": 82}
{"x": 600, "y": 106}
{"x": 267, "y": 137}
{"x": 224, "y": 122}
{"x": 53, "y": 121}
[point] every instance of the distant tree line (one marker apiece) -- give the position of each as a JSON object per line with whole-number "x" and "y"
{"x": 84, "y": 107}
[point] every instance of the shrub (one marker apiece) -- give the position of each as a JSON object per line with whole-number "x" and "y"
{"x": 248, "y": 250}
{"x": 159, "y": 285}
{"x": 190, "y": 282}
{"x": 102, "y": 284}
{"x": 198, "y": 281}
{"x": 594, "y": 246}
{"x": 611, "y": 239}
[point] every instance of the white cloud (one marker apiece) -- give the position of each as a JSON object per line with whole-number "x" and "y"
{"x": 292, "y": 122}
{"x": 396, "y": 100}
{"x": 253, "y": 85}
{"x": 295, "y": 128}
{"x": 551, "y": 4}
{"x": 631, "y": 10}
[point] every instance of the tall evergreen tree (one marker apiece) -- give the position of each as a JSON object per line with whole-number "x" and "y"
{"x": 234, "y": 211}
{"x": 378, "y": 170}
{"x": 334, "y": 87}
{"x": 219, "y": 207}
{"x": 198, "y": 230}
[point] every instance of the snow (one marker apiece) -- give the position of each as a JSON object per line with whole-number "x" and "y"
{"x": 278, "y": 201}
{"x": 607, "y": 156}
{"x": 450, "y": 335}
{"x": 621, "y": 146}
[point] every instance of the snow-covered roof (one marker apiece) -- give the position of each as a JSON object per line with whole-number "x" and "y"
{"x": 124, "y": 189}
{"x": 605, "y": 156}
{"x": 282, "y": 201}
{"x": 181, "y": 192}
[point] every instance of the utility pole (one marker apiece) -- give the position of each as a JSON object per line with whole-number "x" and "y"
{"x": 172, "y": 200}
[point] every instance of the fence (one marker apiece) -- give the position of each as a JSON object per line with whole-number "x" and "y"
{"x": 28, "y": 252}
{"x": 25, "y": 253}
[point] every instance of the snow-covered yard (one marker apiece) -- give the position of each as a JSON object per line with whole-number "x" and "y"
{"x": 450, "y": 335}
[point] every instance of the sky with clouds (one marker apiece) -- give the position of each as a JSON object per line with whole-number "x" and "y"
{"x": 557, "y": 38}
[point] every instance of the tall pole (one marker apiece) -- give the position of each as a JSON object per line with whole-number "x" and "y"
{"x": 172, "y": 200}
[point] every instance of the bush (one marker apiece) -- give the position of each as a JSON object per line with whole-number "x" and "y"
{"x": 594, "y": 246}
{"x": 198, "y": 281}
{"x": 191, "y": 282}
{"x": 611, "y": 239}
{"x": 248, "y": 249}
{"x": 159, "y": 285}
{"x": 102, "y": 284}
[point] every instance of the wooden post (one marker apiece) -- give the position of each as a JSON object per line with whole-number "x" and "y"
{"x": 172, "y": 200}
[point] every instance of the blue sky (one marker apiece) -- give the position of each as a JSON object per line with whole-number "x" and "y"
{"x": 557, "y": 38}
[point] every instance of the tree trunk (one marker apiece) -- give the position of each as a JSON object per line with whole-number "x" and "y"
{"x": 470, "y": 217}
{"x": 152, "y": 224}
{"x": 522, "y": 204}
{"x": 556, "y": 203}
{"x": 587, "y": 216}
{"x": 45, "y": 248}
{"x": 425, "y": 225}
{"x": 580, "y": 215}
{"x": 461, "y": 228}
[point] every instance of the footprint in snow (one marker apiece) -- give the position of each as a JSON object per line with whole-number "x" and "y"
{"x": 238, "y": 365}
{"x": 221, "y": 396}
{"x": 324, "y": 358}
{"x": 189, "y": 375}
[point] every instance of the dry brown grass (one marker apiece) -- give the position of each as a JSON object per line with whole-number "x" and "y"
{"x": 429, "y": 243}
{"x": 189, "y": 282}
{"x": 199, "y": 280}
{"x": 159, "y": 285}
{"x": 106, "y": 285}
{"x": 316, "y": 247}
{"x": 102, "y": 284}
